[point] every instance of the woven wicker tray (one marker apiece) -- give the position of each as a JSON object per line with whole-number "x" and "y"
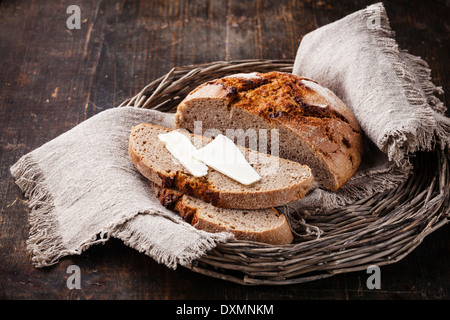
{"x": 378, "y": 230}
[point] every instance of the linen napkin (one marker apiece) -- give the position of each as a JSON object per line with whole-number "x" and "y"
{"x": 388, "y": 89}
{"x": 83, "y": 189}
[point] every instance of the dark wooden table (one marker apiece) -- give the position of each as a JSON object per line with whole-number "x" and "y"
{"x": 52, "y": 78}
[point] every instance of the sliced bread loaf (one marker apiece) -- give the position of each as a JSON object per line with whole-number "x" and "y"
{"x": 315, "y": 127}
{"x": 263, "y": 225}
{"x": 282, "y": 181}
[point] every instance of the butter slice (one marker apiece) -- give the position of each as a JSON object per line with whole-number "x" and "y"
{"x": 181, "y": 148}
{"x": 224, "y": 156}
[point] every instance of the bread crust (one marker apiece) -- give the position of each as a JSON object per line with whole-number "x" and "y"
{"x": 203, "y": 188}
{"x": 299, "y": 105}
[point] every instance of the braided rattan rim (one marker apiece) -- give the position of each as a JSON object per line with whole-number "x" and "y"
{"x": 379, "y": 230}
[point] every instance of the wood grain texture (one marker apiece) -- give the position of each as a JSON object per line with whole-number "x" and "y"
{"x": 53, "y": 78}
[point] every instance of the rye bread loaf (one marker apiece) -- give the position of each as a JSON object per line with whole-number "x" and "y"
{"x": 282, "y": 181}
{"x": 314, "y": 126}
{"x": 263, "y": 225}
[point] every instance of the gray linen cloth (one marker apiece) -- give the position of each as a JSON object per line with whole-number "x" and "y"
{"x": 389, "y": 91}
{"x": 83, "y": 188}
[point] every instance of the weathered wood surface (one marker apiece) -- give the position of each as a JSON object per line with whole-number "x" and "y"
{"x": 53, "y": 78}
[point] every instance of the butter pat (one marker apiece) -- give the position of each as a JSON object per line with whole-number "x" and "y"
{"x": 181, "y": 148}
{"x": 224, "y": 156}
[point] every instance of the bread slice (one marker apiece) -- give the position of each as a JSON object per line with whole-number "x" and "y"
{"x": 282, "y": 181}
{"x": 315, "y": 127}
{"x": 263, "y": 225}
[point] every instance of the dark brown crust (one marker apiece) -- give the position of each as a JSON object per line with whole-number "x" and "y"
{"x": 197, "y": 187}
{"x": 277, "y": 94}
{"x": 228, "y": 93}
{"x": 167, "y": 197}
{"x": 171, "y": 199}
{"x": 193, "y": 186}
{"x": 188, "y": 213}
